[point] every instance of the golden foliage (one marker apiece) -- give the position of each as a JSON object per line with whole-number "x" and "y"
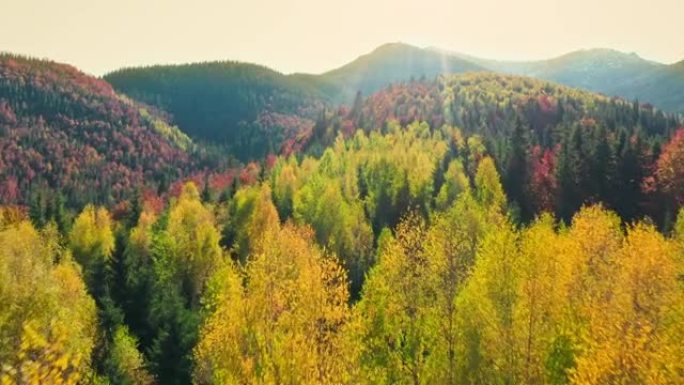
{"x": 283, "y": 325}
{"x": 92, "y": 241}
{"x": 47, "y": 323}
{"x": 637, "y": 337}
{"x": 488, "y": 186}
{"x": 195, "y": 239}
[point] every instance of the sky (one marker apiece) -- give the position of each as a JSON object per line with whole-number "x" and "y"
{"x": 314, "y": 36}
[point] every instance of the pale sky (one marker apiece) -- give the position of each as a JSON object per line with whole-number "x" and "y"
{"x": 317, "y": 35}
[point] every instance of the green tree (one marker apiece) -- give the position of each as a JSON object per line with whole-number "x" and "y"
{"x": 125, "y": 363}
{"x": 455, "y": 183}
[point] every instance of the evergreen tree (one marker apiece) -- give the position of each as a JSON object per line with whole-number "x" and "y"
{"x": 516, "y": 178}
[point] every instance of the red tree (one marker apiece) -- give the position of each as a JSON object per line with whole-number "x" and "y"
{"x": 543, "y": 186}
{"x": 670, "y": 168}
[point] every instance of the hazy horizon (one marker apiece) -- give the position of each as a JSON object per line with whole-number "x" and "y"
{"x": 312, "y": 36}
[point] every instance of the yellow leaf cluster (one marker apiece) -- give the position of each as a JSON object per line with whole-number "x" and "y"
{"x": 47, "y": 324}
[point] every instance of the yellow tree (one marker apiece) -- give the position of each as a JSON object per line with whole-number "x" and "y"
{"x": 538, "y": 312}
{"x": 196, "y": 250}
{"x": 489, "y": 300}
{"x": 488, "y": 186}
{"x": 411, "y": 312}
{"x": 252, "y": 214}
{"x": 593, "y": 242}
{"x": 219, "y": 352}
{"x": 47, "y": 319}
{"x": 393, "y": 311}
{"x": 10, "y": 215}
{"x": 284, "y": 325}
{"x": 451, "y": 245}
{"x": 92, "y": 241}
{"x": 678, "y": 238}
{"x": 583, "y": 267}
{"x": 126, "y": 361}
{"x": 455, "y": 182}
{"x": 285, "y": 183}
{"x": 342, "y": 230}
{"x": 679, "y": 227}
{"x": 637, "y": 338}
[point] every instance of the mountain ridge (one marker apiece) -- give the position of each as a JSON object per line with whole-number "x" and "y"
{"x": 604, "y": 70}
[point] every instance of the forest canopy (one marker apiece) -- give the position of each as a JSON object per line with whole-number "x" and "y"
{"x": 420, "y": 274}
{"x": 470, "y": 229}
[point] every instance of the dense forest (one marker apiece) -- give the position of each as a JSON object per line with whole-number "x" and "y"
{"x": 556, "y": 148}
{"x": 63, "y": 131}
{"x": 419, "y": 275}
{"x": 475, "y": 228}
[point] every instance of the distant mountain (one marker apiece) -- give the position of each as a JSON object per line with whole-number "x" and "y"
{"x": 63, "y": 130}
{"x": 601, "y": 70}
{"x": 606, "y": 71}
{"x": 663, "y": 87}
{"x": 585, "y": 68}
{"x": 392, "y": 63}
{"x": 249, "y": 109}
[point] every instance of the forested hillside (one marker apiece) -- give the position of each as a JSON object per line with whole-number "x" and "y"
{"x": 599, "y": 70}
{"x": 662, "y": 87}
{"x": 71, "y": 134}
{"x": 248, "y": 110}
{"x": 371, "y": 263}
{"x": 555, "y": 147}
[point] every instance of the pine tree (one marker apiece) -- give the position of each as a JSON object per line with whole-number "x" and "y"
{"x": 516, "y": 178}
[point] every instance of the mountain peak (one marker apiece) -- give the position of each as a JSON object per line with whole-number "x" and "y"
{"x": 394, "y": 45}
{"x": 395, "y": 62}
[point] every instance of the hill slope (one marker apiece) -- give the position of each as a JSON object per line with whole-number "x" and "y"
{"x": 557, "y": 147}
{"x": 663, "y": 87}
{"x": 249, "y": 109}
{"x": 61, "y": 129}
{"x": 252, "y": 111}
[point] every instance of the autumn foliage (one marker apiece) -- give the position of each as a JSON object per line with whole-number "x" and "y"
{"x": 67, "y": 131}
{"x": 478, "y": 229}
{"x": 670, "y": 168}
